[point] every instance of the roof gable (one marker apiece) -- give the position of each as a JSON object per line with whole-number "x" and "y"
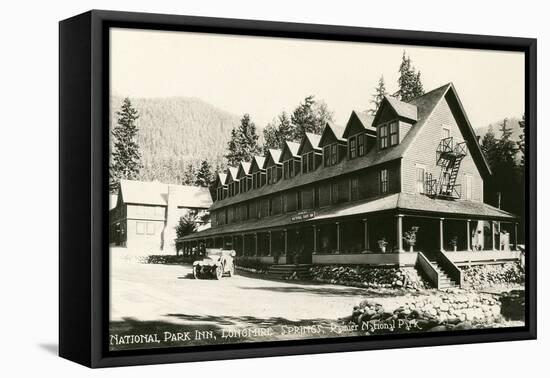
{"x": 232, "y": 174}
{"x": 272, "y": 158}
{"x": 257, "y": 164}
{"x": 359, "y": 122}
{"x": 331, "y": 134}
{"x": 244, "y": 170}
{"x": 290, "y": 150}
{"x": 392, "y": 106}
{"x": 220, "y": 179}
{"x": 309, "y": 143}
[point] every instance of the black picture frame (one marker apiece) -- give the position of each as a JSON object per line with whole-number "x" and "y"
{"x": 83, "y": 181}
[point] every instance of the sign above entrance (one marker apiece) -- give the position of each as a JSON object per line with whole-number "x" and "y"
{"x": 302, "y": 215}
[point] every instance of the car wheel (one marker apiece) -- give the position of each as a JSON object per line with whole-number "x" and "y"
{"x": 219, "y": 272}
{"x": 196, "y": 272}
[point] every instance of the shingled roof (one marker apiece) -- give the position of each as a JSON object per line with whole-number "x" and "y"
{"x": 402, "y": 202}
{"x": 425, "y": 105}
{"x": 156, "y": 194}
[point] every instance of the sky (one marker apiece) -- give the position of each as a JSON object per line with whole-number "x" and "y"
{"x": 264, "y": 76}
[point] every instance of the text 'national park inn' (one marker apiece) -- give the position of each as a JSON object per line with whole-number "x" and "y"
{"x": 353, "y": 194}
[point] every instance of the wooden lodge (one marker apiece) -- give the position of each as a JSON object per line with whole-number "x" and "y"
{"x": 354, "y": 194}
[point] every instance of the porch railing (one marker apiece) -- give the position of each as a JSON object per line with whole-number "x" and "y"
{"x": 430, "y": 272}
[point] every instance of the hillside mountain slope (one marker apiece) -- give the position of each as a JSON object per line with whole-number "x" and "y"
{"x": 513, "y": 123}
{"x": 176, "y": 131}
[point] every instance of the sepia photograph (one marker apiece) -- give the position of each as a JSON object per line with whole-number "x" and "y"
{"x": 266, "y": 189}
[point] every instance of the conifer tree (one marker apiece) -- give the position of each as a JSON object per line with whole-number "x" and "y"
{"x": 126, "y": 158}
{"x": 380, "y": 92}
{"x": 277, "y": 131}
{"x": 409, "y": 82}
{"x": 204, "y": 176}
{"x": 309, "y": 116}
{"x": 243, "y": 145}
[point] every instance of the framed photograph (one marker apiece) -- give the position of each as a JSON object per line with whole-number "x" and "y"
{"x": 235, "y": 188}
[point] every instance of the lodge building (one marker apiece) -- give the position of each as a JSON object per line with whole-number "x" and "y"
{"x": 353, "y": 194}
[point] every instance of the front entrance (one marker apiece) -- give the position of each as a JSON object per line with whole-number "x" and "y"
{"x": 300, "y": 245}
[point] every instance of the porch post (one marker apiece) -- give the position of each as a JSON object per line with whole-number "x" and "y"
{"x": 255, "y": 244}
{"x": 366, "y": 235}
{"x": 515, "y": 236}
{"x": 314, "y": 239}
{"x": 493, "y": 235}
{"x": 286, "y": 240}
{"x": 441, "y": 242}
{"x": 337, "y": 237}
{"x": 270, "y": 243}
{"x": 468, "y": 236}
{"x": 400, "y": 233}
{"x": 244, "y": 245}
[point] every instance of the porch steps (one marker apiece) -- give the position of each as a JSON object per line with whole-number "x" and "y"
{"x": 445, "y": 282}
{"x": 290, "y": 271}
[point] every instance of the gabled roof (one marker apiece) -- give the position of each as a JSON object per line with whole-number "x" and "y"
{"x": 311, "y": 140}
{"x": 428, "y": 102}
{"x": 426, "y": 105}
{"x": 156, "y": 194}
{"x": 272, "y": 155}
{"x": 331, "y": 132}
{"x": 232, "y": 173}
{"x": 244, "y": 169}
{"x": 221, "y": 178}
{"x": 364, "y": 121}
{"x": 290, "y": 150}
{"x": 404, "y": 110}
{"x": 257, "y": 164}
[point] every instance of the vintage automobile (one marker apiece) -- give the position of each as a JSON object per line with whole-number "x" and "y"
{"x": 216, "y": 263}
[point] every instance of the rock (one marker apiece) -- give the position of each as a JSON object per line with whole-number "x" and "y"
{"x": 439, "y": 328}
{"x": 463, "y": 326}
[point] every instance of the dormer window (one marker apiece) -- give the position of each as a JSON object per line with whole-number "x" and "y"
{"x": 330, "y": 155}
{"x": 352, "y": 148}
{"x": 272, "y": 175}
{"x": 388, "y": 134}
{"x": 288, "y": 169}
{"x": 308, "y": 162}
{"x": 257, "y": 180}
{"x": 361, "y": 144}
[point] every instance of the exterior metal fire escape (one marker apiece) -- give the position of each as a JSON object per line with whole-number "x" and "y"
{"x": 449, "y": 155}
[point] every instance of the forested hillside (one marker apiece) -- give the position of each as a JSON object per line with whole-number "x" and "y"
{"x": 513, "y": 123}
{"x": 174, "y": 132}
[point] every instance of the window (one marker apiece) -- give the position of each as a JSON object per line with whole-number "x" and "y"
{"x": 333, "y": 154}
{"x": 394, "y": 133}
{"x": 248, "y": 183}
{"x": 361, "y": 145}
{"x": 310, "y": 162}
{"x": 326, "y": 156}
{"x": 298, "y": 200}
{"x": 274, "y": 174}
{"x": 468, "y": 187}
{"x": 140, "y": 228}
{"x": 307, "y": 198}
{"x": 383, "y": 181}
{"x": 243, "y": 185}
{"x": 269, "y": 178}
{"x": 288, "y": 169}
{"x": 150, "y": 228}
{"x": 159, "y": 211}
{"x": 383, "y": 136}
{"x": 352, "y": 148}
{"x": 420, "y": 179}
{"x": 304, "y": 163}
{"x": 354, "y": 188}
{"x": 446, "y": 132}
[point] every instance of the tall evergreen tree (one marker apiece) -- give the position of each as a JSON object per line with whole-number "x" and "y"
{"x": 380, "y": 92}
{"x": 126, "y": 158}
{"x": 310, "y": 116}
{"x": 489, "y": 146}
{"x": 277, "y": 131}
{"x": 189, "y": 175}
{"x": 204, "y": 176}
{"x": 243, "y": 145}
{"x": 409, "y": 82}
